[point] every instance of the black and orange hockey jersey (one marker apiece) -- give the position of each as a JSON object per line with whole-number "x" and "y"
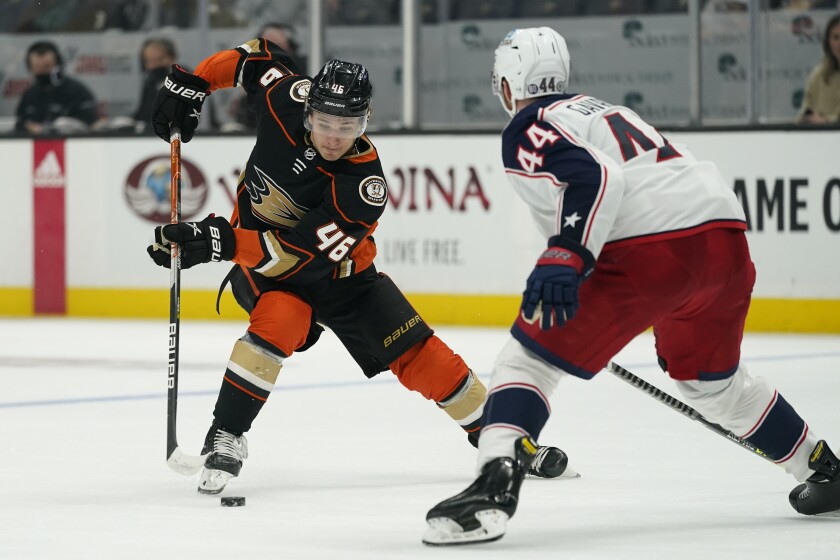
{"x": 298, "y": 217}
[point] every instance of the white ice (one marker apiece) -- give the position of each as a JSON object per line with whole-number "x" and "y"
{"x": 342, "y": 467}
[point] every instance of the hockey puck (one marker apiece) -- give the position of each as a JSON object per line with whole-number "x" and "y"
{"x": 233, "y": 501}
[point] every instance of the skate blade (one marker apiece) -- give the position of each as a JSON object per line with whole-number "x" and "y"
{"x": 443, "y": 531}
{"x": 213, "y": 481}
{"x": 569, "y": 472}
{"x": 835, "y": 513}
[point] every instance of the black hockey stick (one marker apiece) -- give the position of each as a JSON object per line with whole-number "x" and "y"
{"x": 175, "y": 458}
{"x": 682, "y": 408}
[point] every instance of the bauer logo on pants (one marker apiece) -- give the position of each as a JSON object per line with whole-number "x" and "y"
{"x": 390, "y": 339}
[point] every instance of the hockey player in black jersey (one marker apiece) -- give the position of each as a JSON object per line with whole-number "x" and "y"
{"x": 301, "y": 240}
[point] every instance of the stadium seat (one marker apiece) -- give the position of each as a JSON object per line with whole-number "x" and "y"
{"x": 483, "y": 9}
{"x": 548, "y": 8}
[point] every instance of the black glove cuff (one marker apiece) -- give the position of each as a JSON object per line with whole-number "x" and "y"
{"x": 571, "y": 245}
{"x": 226, "y": 236}
{"x": 184, "y": 77}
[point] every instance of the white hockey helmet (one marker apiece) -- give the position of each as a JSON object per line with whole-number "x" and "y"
{"x": 534, "y": 61}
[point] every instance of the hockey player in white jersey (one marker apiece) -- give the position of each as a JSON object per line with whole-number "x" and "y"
{"x": 640, "y": 234}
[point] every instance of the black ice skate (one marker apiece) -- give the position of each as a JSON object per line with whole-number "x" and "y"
{"x": 227, "y": 451}
{"x": 551, "y": 462}
{"x": 480, "y": 513}
{"x": 820, "y": 494}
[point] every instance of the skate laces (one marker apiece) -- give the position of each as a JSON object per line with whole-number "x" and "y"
{"x": 824, "y": 463}
{"x": 229, "y": 445}
{"x": 538, "y": 460}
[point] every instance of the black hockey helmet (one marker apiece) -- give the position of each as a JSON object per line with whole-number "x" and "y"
{"x": 341, "y": 89}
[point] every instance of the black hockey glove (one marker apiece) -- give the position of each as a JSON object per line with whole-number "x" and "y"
{"x": 551, "y": 293}
{"x": 209, "y": 240}
{"x": 178, "y": 104}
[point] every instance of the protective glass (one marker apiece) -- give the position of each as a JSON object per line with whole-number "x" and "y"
{"x": 335, "y": 126}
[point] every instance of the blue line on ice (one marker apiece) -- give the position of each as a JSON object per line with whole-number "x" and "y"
{"x": 314, "y": 386}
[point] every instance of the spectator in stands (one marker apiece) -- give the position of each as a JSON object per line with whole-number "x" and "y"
{"x": 822, "y": 90}
{"x": 157, "y": 55}
{"x": 283, "y": 36}
{"x": 55, "y": 102}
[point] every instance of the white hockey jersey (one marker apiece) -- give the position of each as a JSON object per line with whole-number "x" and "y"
{"x": 599, "y": 175}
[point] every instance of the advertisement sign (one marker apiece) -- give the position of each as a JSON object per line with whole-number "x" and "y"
{"x": 48, "y": 182}
{"x": 451, "y": 226}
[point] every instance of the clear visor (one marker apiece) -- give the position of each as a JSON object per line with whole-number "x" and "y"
{"x": 335, "y": 126}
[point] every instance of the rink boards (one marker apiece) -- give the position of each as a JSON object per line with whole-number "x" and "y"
{"x": 454, "y": 236}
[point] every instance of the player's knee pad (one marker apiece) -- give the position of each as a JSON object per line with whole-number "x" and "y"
{"x": 517, "y": 364}
{"x": 733, "y": 401}
{"x": 431, "y": 368}
{"x": 281, "y": 322}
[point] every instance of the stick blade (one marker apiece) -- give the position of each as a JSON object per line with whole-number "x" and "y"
{"x": 185, "y": 464}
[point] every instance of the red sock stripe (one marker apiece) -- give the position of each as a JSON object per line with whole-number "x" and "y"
{"x": 244, "y": 390}
{"x": 795, "y": 447}
{"x": 752, "y": 430}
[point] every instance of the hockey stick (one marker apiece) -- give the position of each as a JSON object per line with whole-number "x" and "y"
{"x": 682, "y": 408}
{"x": 175, "y": 458}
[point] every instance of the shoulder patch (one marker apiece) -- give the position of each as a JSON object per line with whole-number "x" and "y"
{"x": 299, "y": 90}
{"x": 373, "y": 190}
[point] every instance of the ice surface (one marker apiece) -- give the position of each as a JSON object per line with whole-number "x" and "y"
{"x": 342, "y": 467}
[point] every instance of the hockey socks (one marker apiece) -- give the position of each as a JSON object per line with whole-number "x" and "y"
{"x": 249, "y": 379}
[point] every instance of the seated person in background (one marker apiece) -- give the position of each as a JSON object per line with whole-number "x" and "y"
{"x": 157, "y": 55}
{"x": 822, "y": 90}
{"x": 283, "y": 36}
{"x": 54, "y": 103}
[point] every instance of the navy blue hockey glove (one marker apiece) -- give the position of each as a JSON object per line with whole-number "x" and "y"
{"x": 210, "y": 240}
{"x": 551, "y": 293}
{"x": 178, "y": 104}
